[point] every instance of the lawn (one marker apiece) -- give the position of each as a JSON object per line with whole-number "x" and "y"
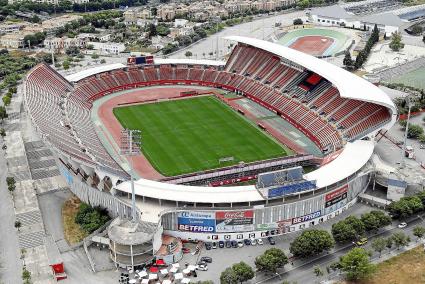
{"x": 191, "y": 135}
{"x": 408, "y": 267}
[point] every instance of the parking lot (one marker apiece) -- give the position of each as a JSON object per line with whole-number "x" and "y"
{"x": 226, "y": 257}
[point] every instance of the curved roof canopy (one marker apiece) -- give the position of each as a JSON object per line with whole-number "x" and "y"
{"x": 349, "y": 85}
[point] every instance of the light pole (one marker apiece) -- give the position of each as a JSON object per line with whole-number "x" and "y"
{"x": 403, "y": 150}
{"x": 130, "y": 146}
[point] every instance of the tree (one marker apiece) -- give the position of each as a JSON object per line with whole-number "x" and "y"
{"x": 419, "y": 232}
{"x": 356, "y": 264}
{"x": 3, "y": 113}
{"x": 348, "y": 61}
{"x": 188, "y": 54}
{"x": 405, "y": 207}
{"x": 72, "y": 51}
{"x": 26, "y": 275}
{"x": 311, "y": 242}
{"x": 2, "y": 132}
{"x": 423, "y": 39}
{"x": 6, "y": 100}
{"x": 417, "y": 30}
{"x": 400, "y": 239}
{"x": 66, "y": 65}
{"x": 349, "y": 229}
{"x": 317, "y": 271}
{"x": 228, "y": 276}
{"x": 102, "y": 61}
{"x": 414, "y": 131}
{"x": 396, "y": 42}
{"x": 95, "y": 56}
{"x": 271, "y": 260}
{"x": 374, "y": 220}
{"x": 243, "y": 271}
{"x": 389, "y": 243}
{"x": 378, "y": 245}
{"x": 298, "y": 21}
{"x": 18, "y": 225}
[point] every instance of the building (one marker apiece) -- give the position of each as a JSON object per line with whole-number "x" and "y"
{"x": 60, "y": 44}
{"x": 336, "y": 15}
{"x": 13, "y": 40}
{"x": 54, "y": 2}
{"x": 9, "y": 27}
{"x": 107, "y": 47}
{"x": 179, "y": 23}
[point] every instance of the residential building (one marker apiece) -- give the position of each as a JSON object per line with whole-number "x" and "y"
{"x": 10, "y": 27}
{"x": 60, "y": 44}
{"x": 12, "y": 40}
{"x": 58, "y": 22}
{"x": 107, "y": 47}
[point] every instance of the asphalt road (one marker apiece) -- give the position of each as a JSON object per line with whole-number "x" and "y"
{"x": 10, "y": 263}
{"x": 260, "y": 28}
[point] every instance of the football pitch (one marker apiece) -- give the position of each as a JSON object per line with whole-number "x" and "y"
{"x": 190, "y": 135}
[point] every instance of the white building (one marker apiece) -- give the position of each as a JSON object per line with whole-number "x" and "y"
{"x": 107, "y": 47}
{"x": 180, "y": 23}
{"x": 337, "y": 16}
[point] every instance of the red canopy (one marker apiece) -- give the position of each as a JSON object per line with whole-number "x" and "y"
{"x": 160, "y": 262}
{"x": 154, "y": 269}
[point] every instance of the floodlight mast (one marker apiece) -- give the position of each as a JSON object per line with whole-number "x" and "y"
{"x": 130, "y": 146}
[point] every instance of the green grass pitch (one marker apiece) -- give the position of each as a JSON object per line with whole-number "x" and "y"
{"x": 191, "y": 135}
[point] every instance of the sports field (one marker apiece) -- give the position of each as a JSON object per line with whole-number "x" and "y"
{"x": 413, "y": 78}
{"x": 191, "y": 135}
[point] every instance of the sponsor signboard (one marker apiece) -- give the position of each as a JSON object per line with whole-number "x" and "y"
{"x": 306, "y": 218}
{"x": 234, "y": 221}
{"x": 336, "y": 193}
{"x": 196, "y": 221}
{"x": 282, "y": 224}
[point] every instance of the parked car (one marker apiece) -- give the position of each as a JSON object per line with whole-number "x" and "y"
{"x": 402, "y": 225}
{"x": 260, "y": 241}
{"x": 221, "y": 244}
{"x": 186, "y": 250}
{"x": 202, "y": 267}
{"x": 214, "y": 245}
{"x": 361, "y": 242}
{"x": 207, "y": 246}
{"x": 240, "y": 244}
{"x": 247, "y": 242}
{"x": 253, "y": 242}
{"x": 234, "y": 244}
{"x": 202, "y": 262}
{"x": 206, "y": 259}
{"x": 228, "y": 244}
{"x": 271, "y": 241}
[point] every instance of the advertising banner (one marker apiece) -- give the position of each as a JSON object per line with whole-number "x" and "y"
{"x": 336, "y": 193}
{"x": 306, "y": 218}
{"x": 234, "y": 221}
{"x": 196, "y": 221}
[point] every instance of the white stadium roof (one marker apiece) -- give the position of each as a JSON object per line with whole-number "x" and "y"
{"x": 92, "y": 71}
{"x": 354, "y": 156}
{"x": 188, "y": 61}
{"x": 349, "y": 85}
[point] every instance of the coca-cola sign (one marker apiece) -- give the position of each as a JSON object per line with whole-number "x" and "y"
{"x": 234, "y": 214}
{"x": 234, "y": 221}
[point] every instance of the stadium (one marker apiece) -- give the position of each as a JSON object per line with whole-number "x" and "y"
{"x": 268, "y": 142}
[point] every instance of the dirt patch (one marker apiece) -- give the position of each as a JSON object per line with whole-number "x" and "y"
{"x": 72, "y": 232}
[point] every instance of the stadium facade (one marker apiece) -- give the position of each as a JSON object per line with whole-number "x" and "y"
{"x": 338, "y": 111}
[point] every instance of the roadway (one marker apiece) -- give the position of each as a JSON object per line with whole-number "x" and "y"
{"x": 10, "y": 263}
{"x": 261, "y": 28}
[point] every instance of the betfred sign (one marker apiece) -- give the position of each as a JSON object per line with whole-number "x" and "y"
{"x": 336, "y": 193}
{"x": 196, "y": 229}
{"x": 306, "y": 218}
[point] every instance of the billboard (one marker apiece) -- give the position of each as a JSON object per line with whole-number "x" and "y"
{"x": 278, "y": 225}
{"x": 196, "y": 221}
{"x": 234, "y": 221}
{"x": 306, "y": 218}
{"x": 336, "y": 196}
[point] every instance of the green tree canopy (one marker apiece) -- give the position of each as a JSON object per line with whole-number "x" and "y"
{"x": 349, "y": 229}
{"x": 311, "y": 242}
{"x": 405, "y": 207}
{"x": 271, "y": 260}
{"x": 356, "y": 264}
{"x": 400, "y": 239}
{"x": 379, "y": 245}
{"x": 243, "y": 271}
{"x": 375, "y": 219}
{"x": 419, "y": 232}
{"x": 228, "y": 276}
{"x": 396, "y": 42}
